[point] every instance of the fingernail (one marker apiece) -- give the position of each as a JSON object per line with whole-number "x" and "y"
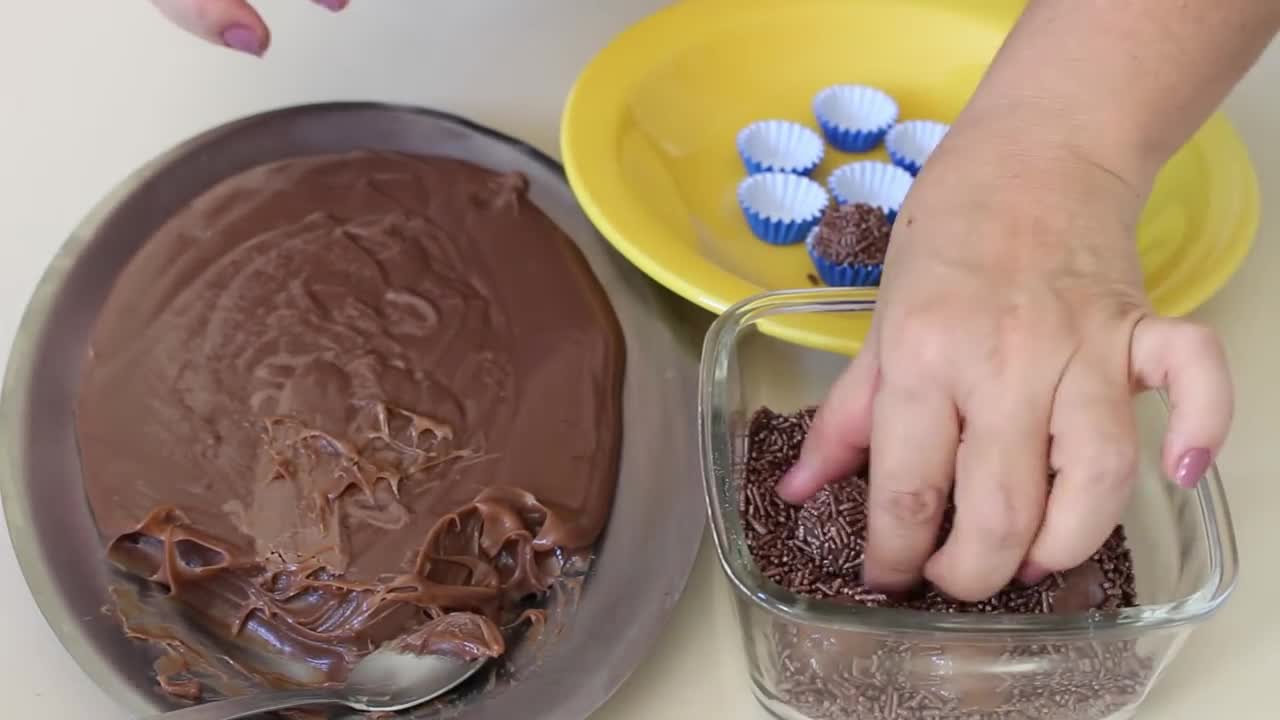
{"x": 1192, "y": 467}
{"x": 334, "y": 5}
{"x": 1031, "y": 574}
{"x": 794, "y": 478}
{"x": 239, "y": 37}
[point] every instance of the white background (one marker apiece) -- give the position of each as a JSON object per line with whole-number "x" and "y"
{"x": 90, "y": 89}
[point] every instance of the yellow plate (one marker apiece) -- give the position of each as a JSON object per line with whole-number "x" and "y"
{"x": 648, "y": 142}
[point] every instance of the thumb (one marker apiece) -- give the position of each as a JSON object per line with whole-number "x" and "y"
{"x": 1188, "y": 362}
{"x": 233, "y": 23}
{"x": 837, "y": 442}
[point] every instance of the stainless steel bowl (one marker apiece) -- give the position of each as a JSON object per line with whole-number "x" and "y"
{"x": 649, "y": 546}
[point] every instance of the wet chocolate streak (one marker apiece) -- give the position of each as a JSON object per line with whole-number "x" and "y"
{"x": 341, "y": 401}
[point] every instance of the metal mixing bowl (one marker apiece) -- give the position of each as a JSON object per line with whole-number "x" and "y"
{"x": 649, "y": 546}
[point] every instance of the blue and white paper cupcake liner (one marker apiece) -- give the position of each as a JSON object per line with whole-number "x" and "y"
{"x": 854, "y": 118}
{"x": 911, "y": 143}
{"x": 848, "y": 275}
{"x": 871, "y": 182}
{"x": 779, "y": 146}
{"x": 781, "y": 208}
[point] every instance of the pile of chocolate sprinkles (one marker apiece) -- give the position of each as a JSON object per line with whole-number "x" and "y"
{"x": 853, "y": 234}
{"x": 816, "y": 550}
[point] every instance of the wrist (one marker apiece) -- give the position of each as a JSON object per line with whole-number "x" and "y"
{"x": 1042, "y": 130}
{"x": 1025, "y": 205}
{"x": 1025, "y": 164}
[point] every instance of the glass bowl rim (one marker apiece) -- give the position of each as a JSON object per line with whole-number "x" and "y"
{"x": 715, "y": 448}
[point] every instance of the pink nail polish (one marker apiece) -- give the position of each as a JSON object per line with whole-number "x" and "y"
{"x": 1192, "y": 467}
{"x": 334, "y": 5}
{"x": 239, "y": 37}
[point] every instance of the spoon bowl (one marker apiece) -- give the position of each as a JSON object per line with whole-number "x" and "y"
{"x": 386, "y": 681}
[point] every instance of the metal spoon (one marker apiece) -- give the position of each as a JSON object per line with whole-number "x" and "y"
{"x": 387, "y": 680}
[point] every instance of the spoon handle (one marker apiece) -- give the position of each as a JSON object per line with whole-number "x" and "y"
{"x": 249, "y": 705}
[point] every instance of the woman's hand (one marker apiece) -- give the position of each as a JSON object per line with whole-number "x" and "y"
{"x": 233, "y": 23}
{"x": 1013, "y": 328}
{"x": 1011, "y": 334}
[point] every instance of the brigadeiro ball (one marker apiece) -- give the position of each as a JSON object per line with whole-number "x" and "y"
{"x": 848, "y": 246}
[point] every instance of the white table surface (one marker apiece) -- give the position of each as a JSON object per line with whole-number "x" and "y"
{"x": 90, "y": 89}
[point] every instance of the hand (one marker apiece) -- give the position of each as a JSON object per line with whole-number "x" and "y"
{"x": 1012, "y": 331}
{"x": 233, "y": 23}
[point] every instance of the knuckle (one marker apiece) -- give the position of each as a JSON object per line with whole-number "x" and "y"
{"x": 962, "y": 586}
{"x": 1060, "y": 556}
{"x": 826, "y": 430}
{"x": 970, "y": 591}
{"x": 921, "y": 344}
{"x": 995, "y": 530}
{"x": 899, "y": 569}
{"x": 1112, "y": 468}
{"x": 892, "y": 569}
{"x": 1197, "y": 338}
{"x": 914, "y": 507}
{"x": 1003, "y": 521}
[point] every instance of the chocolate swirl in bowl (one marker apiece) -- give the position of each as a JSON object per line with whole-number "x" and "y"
{"x": 339, "y": 401}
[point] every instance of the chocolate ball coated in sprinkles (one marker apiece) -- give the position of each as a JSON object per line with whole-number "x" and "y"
{"x": 854, "y": 234}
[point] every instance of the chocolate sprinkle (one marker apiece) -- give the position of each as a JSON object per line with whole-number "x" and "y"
{"x": 816, "y": 550}
{"x": 856, "y": 234}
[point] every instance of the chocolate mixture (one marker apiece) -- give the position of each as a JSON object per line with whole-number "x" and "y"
{"x": 341, "y": 401}
{"x": 853, "y": 234}
{"x": 816, "y": 550}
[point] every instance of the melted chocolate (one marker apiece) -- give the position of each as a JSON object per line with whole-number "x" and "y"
{"x": 341, "y": 401}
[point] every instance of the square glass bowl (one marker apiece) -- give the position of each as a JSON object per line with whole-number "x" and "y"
{"x": 819, "y": 660}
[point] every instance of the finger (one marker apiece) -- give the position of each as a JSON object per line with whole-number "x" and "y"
{"x": 910, "y": 482}
{"x": 1001, "y": 482}
{"x": 1095, "y": 451}
{"x": 233, "y": 23}
{"x": 837, "y": 441}
{"x": 1186, "y": 360}
{"x": 334, "y": 5}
